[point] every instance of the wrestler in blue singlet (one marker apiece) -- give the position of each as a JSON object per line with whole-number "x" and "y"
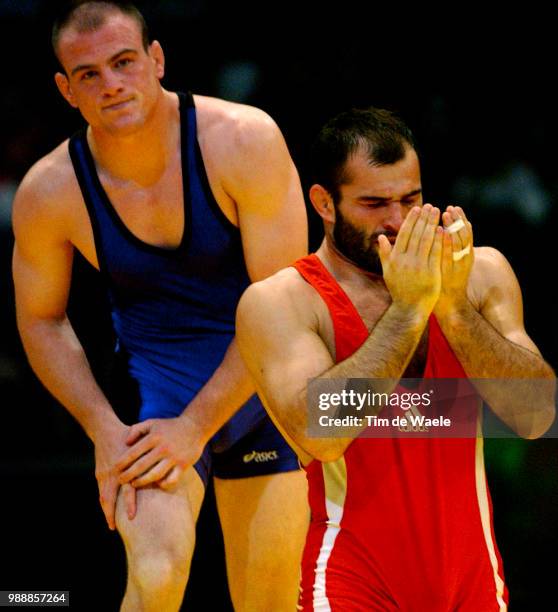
{"x": 173, "y": 310}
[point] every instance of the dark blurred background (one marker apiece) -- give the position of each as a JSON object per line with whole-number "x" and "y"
{"x": 478, "y": 92}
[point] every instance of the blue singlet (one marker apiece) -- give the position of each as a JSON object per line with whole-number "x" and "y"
{"x": 173, "y": 310}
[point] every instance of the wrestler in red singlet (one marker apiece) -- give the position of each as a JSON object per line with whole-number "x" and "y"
{"x": 400, "y": 524}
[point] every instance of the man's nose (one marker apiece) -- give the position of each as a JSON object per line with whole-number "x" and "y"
{"x": 111, "y": 83}
{"x": 394, "y": 217}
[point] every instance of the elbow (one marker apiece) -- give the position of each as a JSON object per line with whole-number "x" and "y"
{"x": 537, "y": 422}
{"x": 542, "y": 422}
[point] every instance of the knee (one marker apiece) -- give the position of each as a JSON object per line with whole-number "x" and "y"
{"x": 159, "y": 573}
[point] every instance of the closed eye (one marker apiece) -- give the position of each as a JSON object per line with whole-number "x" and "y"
{"x": 410, "y": 201}
{"x": 373, "y": 202}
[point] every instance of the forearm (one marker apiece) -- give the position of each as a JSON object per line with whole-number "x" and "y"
{"x": 383, "y": 358}
{"x": 388, "y": 349}
{"x": 225, "y": 392}
{"x": 520, "y": 385}
{"x": 58, "y": 359}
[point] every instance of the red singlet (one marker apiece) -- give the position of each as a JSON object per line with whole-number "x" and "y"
{"x": 398, "y": 524}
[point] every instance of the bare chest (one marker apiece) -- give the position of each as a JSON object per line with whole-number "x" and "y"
{"x": 154, "y": 215}
{"x": 153, "y": 212}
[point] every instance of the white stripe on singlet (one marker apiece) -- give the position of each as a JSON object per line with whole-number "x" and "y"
{"x": 335, "y": 486}
{"x": 484, "y": 509}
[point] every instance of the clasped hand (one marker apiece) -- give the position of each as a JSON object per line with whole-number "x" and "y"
{"x": 160, "y": 452}
{"x": 428, "y": 266}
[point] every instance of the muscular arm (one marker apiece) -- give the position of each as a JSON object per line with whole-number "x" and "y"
{"x": 264, "y": 184}
{"x": 492, "y": 343}
{"x": 260, "y": 177}
{"x": 42, "y": 263}
{"x": 278, "y": 335}
{"x": 283, "y": 351}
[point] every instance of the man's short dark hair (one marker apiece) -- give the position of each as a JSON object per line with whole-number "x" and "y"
{"x": 90, "y": 15}
{"x": 381, "y": 133}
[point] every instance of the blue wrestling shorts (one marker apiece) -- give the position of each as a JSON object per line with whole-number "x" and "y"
{"x": 262, "y": 451}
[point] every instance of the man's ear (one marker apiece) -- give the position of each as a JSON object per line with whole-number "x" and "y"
{"x": 64, "y": 88}
{"x": 323, "y": 202}
{"x": 155, "y": 51}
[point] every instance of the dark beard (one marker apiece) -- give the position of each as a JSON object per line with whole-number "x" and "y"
{"x": 355, "y": 245}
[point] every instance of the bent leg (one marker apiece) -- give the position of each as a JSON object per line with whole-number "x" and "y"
{"x": 159, "y": 544}
{"x": 264, "y": 521}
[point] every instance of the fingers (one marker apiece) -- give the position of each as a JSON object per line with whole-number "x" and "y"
{"x": 139, "y": 449}
{"x": 108, "y": 491}
{"x": 384, "y": 249}
{"x": 430, "y": 224}
{"x": 418, "y": 229}
{"x": 130, "y": 500}
{"x": 156, "y": 473}
{"x": 139, "y": 467}
{"x": 447, "y": 254}
{"x": 456, "y": 238}
{"x": 406, "y": 229}
{"x": 437, "y": 248}
{"x": 457, "y": 242}
{"x": 171, "y": 479}
{"x": 463, "y": 236}
{"x": 137, "y": 431}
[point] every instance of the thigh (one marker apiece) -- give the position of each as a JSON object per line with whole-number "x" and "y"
{"x": 264, "y": 521}
{"x": 165, "y": 520}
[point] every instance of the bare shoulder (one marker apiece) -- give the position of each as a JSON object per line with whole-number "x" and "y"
{"x": 283, "y": 295}
{"x": 490, "y": 262}
{"x": 239, "y": 121}
{"x": 48, "y": 190}
{"x": 234, "y": 135}
{"x": 491, "y": 270}
{"x": 253, "y": 179}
